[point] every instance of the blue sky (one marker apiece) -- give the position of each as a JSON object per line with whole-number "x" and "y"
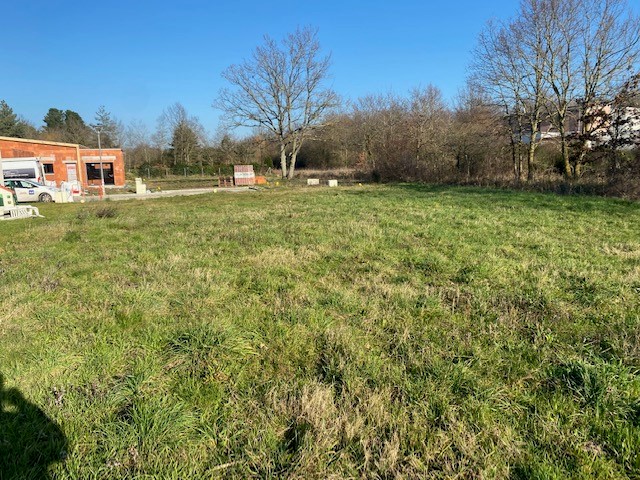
{"x": 138, "y": 57}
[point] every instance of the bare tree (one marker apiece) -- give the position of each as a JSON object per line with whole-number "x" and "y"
{"x": 185, "y": 132}
{"x": 382, "y": 135}
{"x": 280, "y": 89}
{"x": 428, "y": 123}
{"x": 137, "y": 142}
{"x": 400, "y": 137}
{"x": 367, "y": 112}
{"x": 591, "y": 46}
{"x": 528, "y": 36}
{"x": 560, "y": 59}
{"x": 508, "y": 66}
{"x": 560, "y": 33}
{"x": 609, "y": 43}
{"x": 498, "y": 70}
{"x": 160, "y": 140}
{"x": 478, "y": 139}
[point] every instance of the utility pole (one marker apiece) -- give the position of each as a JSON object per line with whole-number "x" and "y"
{"x": 98, "y": 131}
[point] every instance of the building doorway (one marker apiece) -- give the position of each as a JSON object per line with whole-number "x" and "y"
{"x": 72, "y": 172}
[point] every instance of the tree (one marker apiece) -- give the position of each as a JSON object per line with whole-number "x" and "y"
{"x": 111, "y": 130}
{"x": 399, "y": 138}
{"x": 280, "y": 89}
{"x": 527, "y": 33}
{"x": 186, "y": 133}
{"x": 76, "y": 130}
{"x": 10, "y": 124}
{"x": 229, "y": 150}
{"x": 609, "y": 41}
{"x": 428, "y": 122}
{"x": 563, "y": 59}
{"x": 591, "y": 45}
{"x": 560, "y": 30}
{"x": 160, "y": 140}
{"x": 383, "y": 138}
{"x": 509, "y": 67}
{"x": 479, "y": 136}
{"x": 498, "y": 71}
{"x": 184, "y": 143}
{"x": 138, "y": 144}
{"x": 67, "y": 126}
{"x": 54, "y": 120}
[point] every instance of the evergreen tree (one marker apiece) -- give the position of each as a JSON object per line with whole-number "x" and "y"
{"x": 109, "y": 128}
{"x": 54, "y": 120}
{"x": 67, "y": 126}
{"x": 10, "y": 124}
{"x": 76, "y": 130}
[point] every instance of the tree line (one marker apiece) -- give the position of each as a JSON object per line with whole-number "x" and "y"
{"x": 178, "y": 143}
{"x": 65, "y": 126}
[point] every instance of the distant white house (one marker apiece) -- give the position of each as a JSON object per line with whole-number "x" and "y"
{"x": 620, "y": 125}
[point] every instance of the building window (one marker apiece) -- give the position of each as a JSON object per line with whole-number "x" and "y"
{"x": 93, "y": 172}
{"x": 48, "y": 168}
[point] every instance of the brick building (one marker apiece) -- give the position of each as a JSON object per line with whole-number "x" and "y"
{"x": 65, "y": 162}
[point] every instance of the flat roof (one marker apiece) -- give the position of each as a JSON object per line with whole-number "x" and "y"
{"x": 40, "y": 142}
{"x": 96, "y": 148}
{"x": 57, "y": 144}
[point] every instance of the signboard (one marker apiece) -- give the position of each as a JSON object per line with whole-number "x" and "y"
{"x": 244, "y": 175}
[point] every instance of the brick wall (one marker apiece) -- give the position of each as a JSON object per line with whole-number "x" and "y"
{"x": 112, "y": 156}
{"x": 60, "y": 155}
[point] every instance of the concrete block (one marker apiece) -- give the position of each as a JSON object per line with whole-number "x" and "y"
{"x": 63, "y": 196}
{"x": 333, "y": 183}
{"x": 313, "y": 181}
{"x": 141, "y": 188}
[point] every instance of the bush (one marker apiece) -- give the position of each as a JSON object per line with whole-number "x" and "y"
{"x": 108, "y": 211}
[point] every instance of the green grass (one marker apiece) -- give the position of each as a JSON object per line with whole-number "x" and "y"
{"x": 364, "y": 332}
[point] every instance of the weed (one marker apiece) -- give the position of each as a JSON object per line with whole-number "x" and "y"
{"x": 108, "y": 211}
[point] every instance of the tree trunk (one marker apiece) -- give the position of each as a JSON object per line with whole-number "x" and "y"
{"x": 283, "y": 159}
{"x": 531, "y": 156}
{"x": 566, "y": 164}
{"x": 292, "y": 165}
{"x": 577, "y": 168}
{"x": 295, "y": 148}
{"x": 514, "y": 158}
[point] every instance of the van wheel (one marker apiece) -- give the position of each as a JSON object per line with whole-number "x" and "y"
{"x": 45, "y": 197}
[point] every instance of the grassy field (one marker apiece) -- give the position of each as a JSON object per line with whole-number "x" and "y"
{"x": 363, "y": 332}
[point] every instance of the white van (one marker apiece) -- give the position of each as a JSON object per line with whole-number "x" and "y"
{"x": 27, "y": 168}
